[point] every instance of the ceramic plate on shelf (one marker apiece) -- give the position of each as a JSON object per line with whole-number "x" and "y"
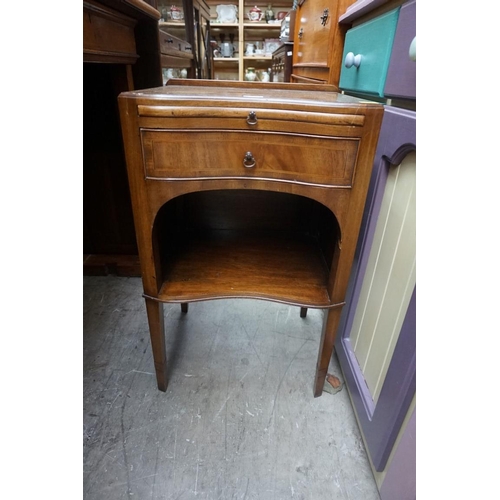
{"x": 227, "y": 13}
{"x": 270, "y": 45}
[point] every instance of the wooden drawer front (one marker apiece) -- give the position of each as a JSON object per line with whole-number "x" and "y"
{"x": 186, "y": 154}
{"x": 311, "y": 123}
{"x": 108, "y": 36}
{"x": 299, "y": 78}
{"x": 171, "y": 45}
{"x": 372, "y": 41}
{"x": 402, "y": 72}
{"x": 312, "y": 45}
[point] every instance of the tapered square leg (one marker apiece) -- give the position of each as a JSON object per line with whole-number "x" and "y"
{"x": 330, "y": 324}
{"x": 157, "y": 334}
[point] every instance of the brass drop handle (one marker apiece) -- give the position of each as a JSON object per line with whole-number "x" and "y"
{"x": 300, "y": 34}
{"x": 324, "y": 17}
{"x": 249, "y": 160}
{"x": 252, "y": 118}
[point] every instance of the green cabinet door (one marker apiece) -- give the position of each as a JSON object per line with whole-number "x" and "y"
{"x": 367, "y": 52}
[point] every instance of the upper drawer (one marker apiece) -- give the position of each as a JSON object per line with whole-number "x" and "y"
{"x": 293, "y": 121}
{"x": 367, "y": 52}
{"x": 199, "y": 154}
{"x": 402, "y": 72}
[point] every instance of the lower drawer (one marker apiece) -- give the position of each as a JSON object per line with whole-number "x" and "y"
{"x": 181, "y": 154}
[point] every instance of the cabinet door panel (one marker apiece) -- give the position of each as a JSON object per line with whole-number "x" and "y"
{"x": 312, "y": 46}
{"x": 401, "y": 75}
{"x": 373, "y": 41}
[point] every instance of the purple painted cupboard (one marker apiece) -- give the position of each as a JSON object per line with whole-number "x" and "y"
{"x": 381, "y": 423}
{"x": 387, "y": 419}
{"x": 401, "y": 74}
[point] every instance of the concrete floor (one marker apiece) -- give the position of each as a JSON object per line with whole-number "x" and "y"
{"x": 238, "y": 420}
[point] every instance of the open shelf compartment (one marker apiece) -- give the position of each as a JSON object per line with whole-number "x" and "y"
{"x": 246, "y": 243}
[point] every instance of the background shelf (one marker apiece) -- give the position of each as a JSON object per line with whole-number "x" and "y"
{"x": 245, "y": 32}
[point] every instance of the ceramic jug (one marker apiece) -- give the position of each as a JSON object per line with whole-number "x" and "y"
{"x": 265, "y": 76}
{"x": 250, "y": 50}
{"x": 226, "y": 49}
{"x": 250, "y": 75}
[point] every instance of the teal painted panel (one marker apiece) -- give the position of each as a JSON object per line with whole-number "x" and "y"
{"x": 373, "y": 41}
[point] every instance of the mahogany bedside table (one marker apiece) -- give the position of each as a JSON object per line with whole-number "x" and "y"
{"x": 251, "y": 190}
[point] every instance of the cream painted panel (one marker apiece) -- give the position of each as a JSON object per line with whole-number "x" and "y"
{"x": 398, "y": 290}
{"x": 376, "y": 274}
{"x": 389, "y": 279}
{"x": 370, "y": 298}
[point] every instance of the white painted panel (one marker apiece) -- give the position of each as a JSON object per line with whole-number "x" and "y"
{"x": 389, "y": 279}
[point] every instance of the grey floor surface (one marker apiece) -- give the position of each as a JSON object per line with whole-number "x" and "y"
{"x": 238, "y": 420}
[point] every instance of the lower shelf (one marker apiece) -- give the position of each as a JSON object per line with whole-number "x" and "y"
{"x": 228, "y": 264}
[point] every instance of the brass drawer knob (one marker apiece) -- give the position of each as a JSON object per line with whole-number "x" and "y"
{"x": 252, "y": 118}
{"x": 249, "y": 160}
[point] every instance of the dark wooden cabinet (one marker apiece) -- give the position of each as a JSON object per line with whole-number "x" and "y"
{"x": 281, "y": 66}
{"x": 124, "y": 49}
{"x": 120, "y": 52}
